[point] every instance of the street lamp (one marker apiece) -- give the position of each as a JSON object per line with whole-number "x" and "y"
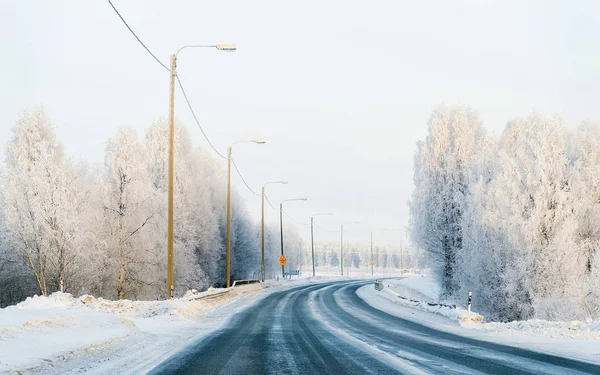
{"x": 171, "y": 237}
{"x": 312, "y": 240}
{"x": 342, "y": 246}
{"x": 226, "y": 47}
{"x": 229, "y": 150}
{"x": 281, "y": 226}
{"x": 262, "y": 262}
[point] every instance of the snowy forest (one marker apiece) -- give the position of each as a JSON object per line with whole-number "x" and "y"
{"x": 357, "y": 258}
{"x": 101, "y": 229}
{"x": 515, "y": 219}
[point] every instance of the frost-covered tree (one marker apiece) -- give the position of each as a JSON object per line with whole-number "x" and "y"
{"x": 585, "y": 158}
{"x": 15, "y": 278}
{"x": 534, "y": 200}
{"x": 197, "y": 240}
{"x": 131, "y": 215}
{"x": 102, "y": 230}
{"x": 295, "y": 249}
{"x": 45, "y": 204}
{"x": 441, "y": 183}
{"x": 245, "y": 245}
{"x": 528, "y": 208}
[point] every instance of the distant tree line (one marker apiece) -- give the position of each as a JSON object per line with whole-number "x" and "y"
{"x": 101, "y": 229}
{"x": 357, "y": 258}
{"x": 516, "y": 218}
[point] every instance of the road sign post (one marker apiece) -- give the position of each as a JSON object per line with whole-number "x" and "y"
{"x": 282, "y": 261}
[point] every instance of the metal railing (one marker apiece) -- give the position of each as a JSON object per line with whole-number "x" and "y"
{"x": 240, "y": 282}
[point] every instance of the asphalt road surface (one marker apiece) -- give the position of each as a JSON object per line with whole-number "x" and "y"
{"x": 328, "y": 329}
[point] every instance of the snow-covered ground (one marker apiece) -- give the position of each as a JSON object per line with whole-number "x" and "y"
{"x": 43, "y": 333}
{"x": 575, "y": 339}
{"x": 416, "y": 287}
{"x": 61, "y": 334}
{"x": 454, "y": 313}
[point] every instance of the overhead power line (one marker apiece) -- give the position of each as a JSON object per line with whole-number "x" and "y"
{"x": 294, "y": 220}
{"x": 285, "y": 213}
{"x": 242, "y": 177}
{"x": 136, "y": 37}
{"x": 196, "y": 119}
{"x": 178, "y": 81}
{"x": 186, "y": 100}
{"x": 271, "y": 204}
{"x": 326, "y": 230}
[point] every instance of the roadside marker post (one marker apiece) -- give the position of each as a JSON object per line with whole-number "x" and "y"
{"x": 469, "y": 303}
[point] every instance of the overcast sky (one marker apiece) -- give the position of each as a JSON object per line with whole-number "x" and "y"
{"x": 340, "y": 90}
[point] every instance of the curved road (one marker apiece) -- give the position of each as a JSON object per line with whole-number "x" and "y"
{"x": 328, "y": 329}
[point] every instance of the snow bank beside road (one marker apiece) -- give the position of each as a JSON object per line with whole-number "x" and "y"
{"x": 428, "y": 288}
{"x": 31, "y": 335}
{"x": 416, "y": 287}
{"x": 374, "y": 298}
{"x": 38, "y": 329}
{"x": 589, "y": 330}
{"x": 579, "y": 340}
{"x": 43, "y": 331}
{"x": 423, "y": 293}
{"x": 60, "y": 334}
{"x": 184, "y": 306}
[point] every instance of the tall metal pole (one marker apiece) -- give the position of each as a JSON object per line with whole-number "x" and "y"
{"x": 342, "y": 250}
{"x": 170, "y": 219}
{"x": 281, "y": 227}
{"x": 262, "y": 262}
{"x": 171, "y": 237}
{"x": 262, "y": 226}
{"x": 281, "y": 224}
{"x": 348, "y": 266}
{"x": 372, "y": 261}
{"x": 228, "y": 216}
{"x": 312, "y": 241}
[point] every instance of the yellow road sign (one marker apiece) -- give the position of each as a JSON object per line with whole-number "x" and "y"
{"x": 282, "y": 260}
{"x": 372, "y": 263}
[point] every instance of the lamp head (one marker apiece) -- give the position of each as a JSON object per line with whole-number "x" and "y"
{"x": 227, "y": 47}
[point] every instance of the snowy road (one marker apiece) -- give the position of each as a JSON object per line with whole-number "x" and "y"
{"x": 328, "y": 329}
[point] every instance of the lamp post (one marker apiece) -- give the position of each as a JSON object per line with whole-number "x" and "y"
{"x": 342, "y": 246}
{"x": 281, "y": 226}
{"x": 312, "y": 240}
{"x": 262, "y": 261}
{"x": 171, "y": 210}
{"x": 228, "y": 260}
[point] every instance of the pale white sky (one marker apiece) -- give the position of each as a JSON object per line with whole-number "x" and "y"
{"x": 341, "y": 90}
